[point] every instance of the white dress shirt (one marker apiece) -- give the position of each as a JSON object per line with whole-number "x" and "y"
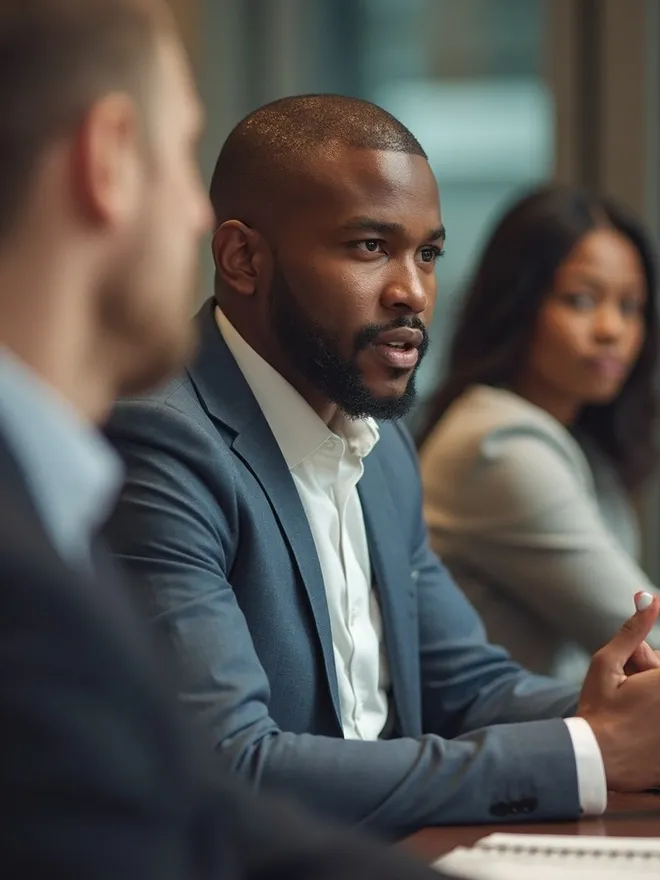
{"x": 326, "y": 466}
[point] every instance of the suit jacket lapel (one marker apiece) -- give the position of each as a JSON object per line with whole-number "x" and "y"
{"x": 228, "y": 398}
{"x": 398, "y": 600}
{"x": 261, "y": 454}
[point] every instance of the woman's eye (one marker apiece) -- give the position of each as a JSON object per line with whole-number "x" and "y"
{"x": 581, "y": 301}
{"x": 631, "y": 306}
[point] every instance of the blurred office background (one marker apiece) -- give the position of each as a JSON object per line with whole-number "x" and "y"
{"x": 501, "y": 93}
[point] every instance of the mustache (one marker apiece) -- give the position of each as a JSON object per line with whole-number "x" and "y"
{"x": 368, "y": 334}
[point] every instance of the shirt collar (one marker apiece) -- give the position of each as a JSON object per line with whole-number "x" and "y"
{"x": 72, "y": 473}
{"x": 298, "y": 430}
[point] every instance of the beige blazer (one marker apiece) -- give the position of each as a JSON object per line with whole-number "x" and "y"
{"x": 535, "y": 528}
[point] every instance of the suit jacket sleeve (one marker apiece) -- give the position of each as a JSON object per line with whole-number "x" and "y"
{"x": 525, "y": 519}
{"x": 275, "y": 839}
{"x": 179, "y": 542}
{"x": 467, "y": 682}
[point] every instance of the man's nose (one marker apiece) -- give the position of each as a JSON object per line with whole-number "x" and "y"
{"x": 407, "y": 292}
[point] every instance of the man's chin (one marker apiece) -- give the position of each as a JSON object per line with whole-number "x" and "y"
{"x": 390, "y": 409}
{"x": 382, "y": 407}
{"x": 396, "y": 386}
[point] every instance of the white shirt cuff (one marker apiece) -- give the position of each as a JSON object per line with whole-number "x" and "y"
{"x": 592, "y": 783}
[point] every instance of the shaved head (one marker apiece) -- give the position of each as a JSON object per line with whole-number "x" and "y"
{"x": 276, "y": 147}
{"x": 328, "y": 229}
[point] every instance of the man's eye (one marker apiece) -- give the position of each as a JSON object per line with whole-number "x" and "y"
{"x": 430, "y": 253}
{"x": 371, "y": 245}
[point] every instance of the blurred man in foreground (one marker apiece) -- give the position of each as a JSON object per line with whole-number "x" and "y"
{"x": 101, "y": 210}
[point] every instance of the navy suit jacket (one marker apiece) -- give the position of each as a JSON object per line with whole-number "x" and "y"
{"x": 98, "y": 778}
{"x": 211, "y": 526}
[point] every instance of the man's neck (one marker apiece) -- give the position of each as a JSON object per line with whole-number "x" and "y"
{"x": 80, "y": 383}
{"x": 53, "y": 336}
{"x": 269, "y": 351}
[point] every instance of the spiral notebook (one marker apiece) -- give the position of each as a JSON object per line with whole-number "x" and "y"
{"x": 550, "y": 857}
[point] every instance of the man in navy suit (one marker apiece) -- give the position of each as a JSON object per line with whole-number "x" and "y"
{"x": 272, "y": 514}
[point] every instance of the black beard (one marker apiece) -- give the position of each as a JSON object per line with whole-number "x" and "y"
{"x": 315, "y": 354}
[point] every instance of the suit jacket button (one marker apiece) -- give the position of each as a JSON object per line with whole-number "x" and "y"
{"x": 528, "y": 805}
{"x": 500, "y": 809}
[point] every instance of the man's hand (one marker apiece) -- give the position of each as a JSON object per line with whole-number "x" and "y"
{"x": 624, "y": 710}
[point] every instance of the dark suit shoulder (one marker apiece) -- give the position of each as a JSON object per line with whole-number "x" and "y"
{"x": 172, "y": 421}
{"x": 176, "y": 398}
{"x": 180, "y": 471}
{"x": 174, "y": 390}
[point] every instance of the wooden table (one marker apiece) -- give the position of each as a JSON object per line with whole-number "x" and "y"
{"x": 628, "y": 815}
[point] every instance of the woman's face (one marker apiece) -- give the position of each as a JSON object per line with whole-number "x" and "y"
{"x": 591, "y": 326}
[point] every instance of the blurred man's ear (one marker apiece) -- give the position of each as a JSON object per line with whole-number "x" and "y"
{"x": 108, "y": 159}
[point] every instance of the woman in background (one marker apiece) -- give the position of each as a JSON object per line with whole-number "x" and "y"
{"x": 543, "y": 429}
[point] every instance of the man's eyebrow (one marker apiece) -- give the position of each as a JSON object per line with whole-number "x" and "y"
{"x": 370, "y": 224}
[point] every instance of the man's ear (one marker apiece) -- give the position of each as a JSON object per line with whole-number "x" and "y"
{"x": 241, "y": 256}
{"x": 108, "y": 161}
